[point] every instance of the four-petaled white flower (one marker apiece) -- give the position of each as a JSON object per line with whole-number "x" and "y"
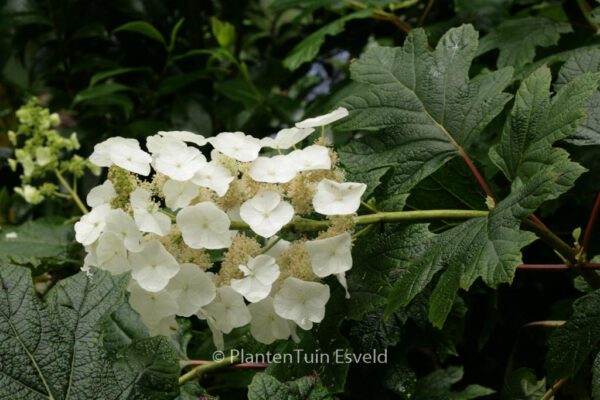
{"x": 147, "y": 214}
{"x": 332, "y": 255}
{"x": 91, "y": 225}
{"x": 204, "y": 225}
{"x": 120, "y": 223}
{"x": 266, "y": 213}
{"x": 153, "y": 267}
{"x": 228, "y": 310}
{"x": 179, "y": 194}
{"x": 192, "y": 289}
{"x": 101, "y": 194}
{"x": 178, "y": 161}
{"x": 286, "y": 138}
{"x": 111, "y": 254}
{"x": 213, "y": 176}
{"x": 152, "y": 306}
{"x": 185, "y": 136}
{"x": 301, "y": 301}
{"x": 323, "y": 120}
{"x": 237, "y": 145}
{"x": 259, "y": 275}
{"x": 277, "y": 169}
{"x": 311, "y": 158}
{"x": 266, "y": 326}
{"x": 124, "y": 153}
{"x": 334, "y": 198}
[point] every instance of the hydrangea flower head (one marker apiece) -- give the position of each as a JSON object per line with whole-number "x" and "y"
{"x": 175, "y": 222}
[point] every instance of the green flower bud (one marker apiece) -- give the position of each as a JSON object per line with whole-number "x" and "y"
{"x": 30, "y": 194}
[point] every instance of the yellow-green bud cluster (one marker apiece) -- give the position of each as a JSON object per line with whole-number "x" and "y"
{"x": 41, "y": 151}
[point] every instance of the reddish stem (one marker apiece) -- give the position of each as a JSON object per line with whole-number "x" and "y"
{"x": 486, "y": 188}
{"x": 476, "y": 173}
{"x": 589, "y": 229}
{"x": 555, "y": 267}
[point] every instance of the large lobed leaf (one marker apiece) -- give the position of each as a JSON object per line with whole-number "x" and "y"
{"x": 53, "y": 349}
{"x": 487, "y": 248}
{"x": 429, "y": 109}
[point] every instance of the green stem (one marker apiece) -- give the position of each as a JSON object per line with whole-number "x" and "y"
{"x": 74, "y": 196}
{"x": 271, "y": 245}
{"x": 202, "y": 369}
{"x": 305, "y": 224}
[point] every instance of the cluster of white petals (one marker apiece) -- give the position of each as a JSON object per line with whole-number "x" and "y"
{"x": 187, "y": 229}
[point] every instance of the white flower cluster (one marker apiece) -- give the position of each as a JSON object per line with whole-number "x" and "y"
{"x": 165, "y": 226}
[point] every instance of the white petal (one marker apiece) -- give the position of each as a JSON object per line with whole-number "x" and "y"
{"x": 213, "y": 176}
{"x": 126, "y": 153}
{"x": 277, "y": 169}
{"x": 111, "y": 254}
{"x": 228, "y": 310}
{"x": 331, "y": 255}
{"x": 266, "y": 326}
{"x": 192, "y": 288}
{"x": 311, "y": 158}
{"x": 101, "y": 194}
{"x": 302, "y": 302}
{"x": 204, "y": 225}
{"x": 322, "y": 120}
{"x": 153, "y": 267}
{"x": 121, "y": 224}
{"x": 266, "y": 213}
{"x": 91, "y": 225}
{"x": 334, "y": 198}
{"x": 155, "y": 222}
{"x": 179, "y": 194}
{"x": 179, "y": 161}
{"x": 287, "y": 138}
{"x": 237, "y": 145}
{"x": 152, "y": 306}
{"x": 185, "y": 136}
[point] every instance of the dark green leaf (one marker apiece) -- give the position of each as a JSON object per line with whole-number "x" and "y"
{"x": 537, "y": 121}
{"x": 97, "y": 92}
{"x": 266, "y": 387}
{"x": 437, "y": 386}
{"x": 430, "y": 109}
{"x": 52, "y": 349}
{"x": 571, "y": 344}
{"x": 487, "y": 248}
{"x": 308, "y": 48}
{"x": 143, "y": 28}
{"x": 581, "y": 63}
{"x": 393, "y": 249}
{"x": 100, "y": 76}
{"x": 517, "y": 39}
{"x": 45, "y": 240}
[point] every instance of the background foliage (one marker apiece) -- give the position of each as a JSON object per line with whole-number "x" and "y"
{"x": 131, "y": 68}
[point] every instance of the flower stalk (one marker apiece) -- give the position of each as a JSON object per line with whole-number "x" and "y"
{"x": 72, "y": 193}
